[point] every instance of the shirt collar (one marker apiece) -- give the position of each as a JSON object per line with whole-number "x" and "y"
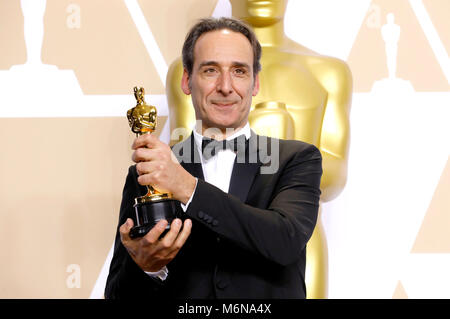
{"x": 245, "y": 130}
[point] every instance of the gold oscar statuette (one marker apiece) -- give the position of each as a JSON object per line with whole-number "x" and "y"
{"x": 154, "y": 205}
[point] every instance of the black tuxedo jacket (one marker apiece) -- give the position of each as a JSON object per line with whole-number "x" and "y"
{"x": 247, "y": 243}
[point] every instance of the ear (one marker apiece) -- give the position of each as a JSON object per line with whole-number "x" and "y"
{"x": 185, "y": 83}
{"x": 256, "y": 85}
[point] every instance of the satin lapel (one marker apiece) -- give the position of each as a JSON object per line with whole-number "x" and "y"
{"x": 188, "y": 156}
{"x": 244, "y": 173}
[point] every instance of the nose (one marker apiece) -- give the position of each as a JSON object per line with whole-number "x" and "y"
{"x": 224, "y": 84}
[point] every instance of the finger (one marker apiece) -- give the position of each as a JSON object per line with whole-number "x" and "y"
{"x": 152, "y": 237}
{"x": 172, "y": 234}
{"x": 182, "y": 237}
{"x": 151, "y": 179}
{"x": 140, "y": 141}
{"x": 144, "y": 154}
{"x": 145, "y": 140}
{"x": 143, "y": 168}
{"x": 124, "y": 230}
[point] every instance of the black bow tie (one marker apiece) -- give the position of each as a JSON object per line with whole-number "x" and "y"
{"x": 210, "y": 147}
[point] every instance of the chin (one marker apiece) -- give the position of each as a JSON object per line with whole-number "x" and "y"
{"x": 223, "y": 121}
{"x": 224, "y": 125}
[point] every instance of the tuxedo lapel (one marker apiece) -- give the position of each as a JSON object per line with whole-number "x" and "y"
{"x": 188, "y": 156}
{"x": 244, "y": 173}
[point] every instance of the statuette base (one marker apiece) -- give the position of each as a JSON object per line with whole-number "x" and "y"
{"x": 148, "y": 214}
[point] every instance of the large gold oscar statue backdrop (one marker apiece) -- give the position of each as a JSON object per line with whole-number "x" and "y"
{"x": 303, "y": 96}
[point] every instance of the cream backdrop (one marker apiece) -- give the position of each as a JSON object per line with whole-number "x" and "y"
{"x": 67, "y": 68}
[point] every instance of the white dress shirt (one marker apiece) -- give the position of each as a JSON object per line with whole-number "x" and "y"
{"x": 216, "y": 171}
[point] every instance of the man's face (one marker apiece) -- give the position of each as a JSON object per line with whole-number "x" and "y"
{"x": 222, "y": 82}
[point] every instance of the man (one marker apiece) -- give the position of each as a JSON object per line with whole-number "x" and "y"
{"x": 245, "y": 225}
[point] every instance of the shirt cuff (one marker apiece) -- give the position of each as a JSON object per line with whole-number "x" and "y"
{"x": 162, "y": 274}
{"x": 185, "y": 207}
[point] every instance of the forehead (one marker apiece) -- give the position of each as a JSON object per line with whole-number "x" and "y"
{"x": 223, "y": 46}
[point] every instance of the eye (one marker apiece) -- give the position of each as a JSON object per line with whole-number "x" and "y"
{"x": 209, "y": 70}
{"x": 240, "y": 71}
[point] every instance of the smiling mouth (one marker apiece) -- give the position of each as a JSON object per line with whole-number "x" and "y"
{"x": 224, "y": 104}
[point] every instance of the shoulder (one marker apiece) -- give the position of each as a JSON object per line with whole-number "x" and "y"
{"x": 318, "y": 62}
{"x": 288, "y": 149}
{"x": 292, "y": 158}
{"x": 326, "y": 68}
{"x": 298, "y": 148}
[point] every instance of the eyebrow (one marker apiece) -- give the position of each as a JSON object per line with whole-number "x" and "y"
{"x": 215, "y": 63}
